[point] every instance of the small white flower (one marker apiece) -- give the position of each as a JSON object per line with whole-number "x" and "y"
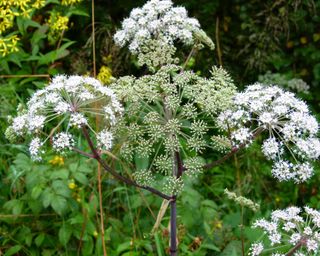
{"x": 104, "y": 139}
{"x": 19, "y": 124}
{"x": 34, "y": 149}
{"x": 62, "y": 141}
{"x": 78, "y": 120}
{"x": 295, "y": 238}
{"x": 272, "y": 149}
{"x": 241, "y": 136}
{"x": 256, "y": 249}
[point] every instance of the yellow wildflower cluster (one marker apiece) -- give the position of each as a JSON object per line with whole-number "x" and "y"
{"x": 9, "y": 9}
{"x": 57, "y": 23}
{"x": 70, "y": 2}
{"x": 105, "y": 75}
{"x": 57, "y": 160}
{"x": 8, "y": 45}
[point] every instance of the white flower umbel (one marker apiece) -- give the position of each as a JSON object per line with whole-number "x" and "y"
{"x": 67, "y": 104}
{"x": 105, "y": 139}
{"x": 288, "y": 230}
{"x": 34, "y": 149}
{"x": 256, "y": 249}
{"x": 292, "y": 141}
{"x": 62, "y": 141}
{"x": 159, "y": 20}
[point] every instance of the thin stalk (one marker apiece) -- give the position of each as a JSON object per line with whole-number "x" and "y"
{"x": 25, "y": 76}
{"x": 218, "y": 41}
{"x": 241, "y": 231}
{"x": 101, "y": 211}
{"x": 93, "y": 40}
{"x": 188, "y": 58}
{"x": 82, "y": 152}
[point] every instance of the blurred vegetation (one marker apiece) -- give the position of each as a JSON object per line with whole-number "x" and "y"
{"x": 52, "y": 208}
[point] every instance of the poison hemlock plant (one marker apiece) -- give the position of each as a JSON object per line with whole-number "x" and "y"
{"x": 169, "y": 116}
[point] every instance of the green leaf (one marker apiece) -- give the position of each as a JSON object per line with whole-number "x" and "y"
{"x": 80, "y": 177}
{"x": 52, "y": 56}
{"x": 61, "y": 188}
{"x": 210, "y": 247}
{"x": 39, "y": 239}
{"x": 13, "y": 250}
{"x": 59, "y": 204}
{"x": 77, "y": 11}
{"x": 47, "y": 197}
{"x": 123, "y": 247}
{"x": 36, "y": 192}
{"x": 65, "y": 233}
{"x": 60, "y": 174}
{"x": 74, "y": 167}
{"x": 87, "y": 247}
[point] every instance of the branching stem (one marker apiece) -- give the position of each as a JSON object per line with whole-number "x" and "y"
{"x": 96, "y": 155}
{"x": 233, "y": 151}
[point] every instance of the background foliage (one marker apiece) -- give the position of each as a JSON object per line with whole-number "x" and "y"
{"x": 52, "y": 208}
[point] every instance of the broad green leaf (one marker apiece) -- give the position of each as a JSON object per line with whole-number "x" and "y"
{"x": 13, "y": 250}
{"x": 59, "y": 204}
{"x": 210, "y": 247}
{"x": 65, "y": 233}
{"x": 36, "y": 192}
{"x": 39, "y": 239}
{"x": 80, "y": 177}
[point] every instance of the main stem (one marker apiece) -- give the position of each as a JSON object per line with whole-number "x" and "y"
{"x": 302, "y": 242}
{"x": 173, "y": 227}
{"x": 177, "y": 172}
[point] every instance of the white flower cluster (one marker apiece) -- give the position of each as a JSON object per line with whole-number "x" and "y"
{"x": 67, "y": 104}
{"x": 291, "y": 144}
{"x": 288, "y": 229}
{"x": 157, "y": 19}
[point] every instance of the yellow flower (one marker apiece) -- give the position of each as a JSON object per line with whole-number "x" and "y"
{"x": 316, "y": 37}
{"x": 8, "y": 45}
{"x": 70, "y": 2}
{"x": 95, "y": 233}
{"x": 72, "y": 185}
{"x": 58, "y": 23}
{"x": 38, "y": 4}
{"x": 289, "y": 44}
{"x": 304, "y": 72}
{"x": 218, "y": 224}
{"x": 57, "y": 160}
{"x": 105, "y": 75}
{"x": 303, "y": 40}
